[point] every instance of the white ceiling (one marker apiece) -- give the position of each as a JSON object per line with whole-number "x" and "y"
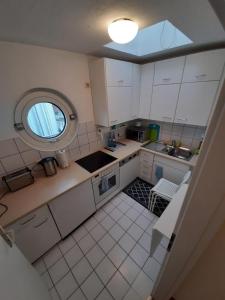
{"x": 81, "y": 25}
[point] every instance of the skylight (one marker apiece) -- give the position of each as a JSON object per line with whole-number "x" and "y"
{"x": 155, "y": 38}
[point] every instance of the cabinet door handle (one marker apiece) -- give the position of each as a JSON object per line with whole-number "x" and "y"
{"x": 38, "y": 225}
{"x": 201, "y": 75}
{"x": 181, "y": 119}
{"x": 28, "y": 220}
{"x": 165, "y": 117}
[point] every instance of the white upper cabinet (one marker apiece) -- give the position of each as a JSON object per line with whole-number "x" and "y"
{"x": 204, "y": 66}
{"x": 195, "y": 102}
{"x": 135, "y": 100}
{"x": 164, "y": 102}
{"x": 119, "y": 104}
{"x": 169, "y": 71}
{"x": 147, "y": 76}
{"x": 118, "y": 72}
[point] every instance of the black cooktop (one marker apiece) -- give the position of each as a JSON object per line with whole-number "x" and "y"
{"x": 95, "y": 161}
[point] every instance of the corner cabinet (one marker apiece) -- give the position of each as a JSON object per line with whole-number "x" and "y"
{"x": 115, "y": 91}
{"x": 73, "y": 207}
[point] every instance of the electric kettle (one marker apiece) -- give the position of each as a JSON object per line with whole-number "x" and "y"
{"x": 49, "y": 165}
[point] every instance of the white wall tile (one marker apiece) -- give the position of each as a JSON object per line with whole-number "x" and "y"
{"x": 188, "y": 131}
{"x": 84, "y": 150}
{"x": 74, "y": 143}
{"x": 31, "y": 156}
{"x": 47, "y": 153}
{"x": 92, "y": 136}
{"x": 13, "y": 162}
{"x": 75, "y": 154}
{"x": 21, "y": 145}
{"x": 83, "y": 139}
{"x": 91, "y": 126}
{"x": 82, "y": 128}
{"x": 8, "y": 147}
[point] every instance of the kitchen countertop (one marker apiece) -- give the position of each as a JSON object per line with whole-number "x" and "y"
{"x": 46, "y": 189}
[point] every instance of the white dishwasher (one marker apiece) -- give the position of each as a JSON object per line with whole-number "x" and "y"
{"x": 129, "y": 169}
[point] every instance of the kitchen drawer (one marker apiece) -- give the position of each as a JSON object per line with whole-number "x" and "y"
{"x": 170, "y": 163}
{"x": 36, "y": 233}
{"x": 146, "y": 157}
{"x": 146, "y": 171}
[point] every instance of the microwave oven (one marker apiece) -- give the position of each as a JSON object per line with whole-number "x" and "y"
{"x": 137, "y": 133}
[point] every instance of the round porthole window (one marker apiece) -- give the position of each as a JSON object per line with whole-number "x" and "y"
{"x": 46, "y": 120}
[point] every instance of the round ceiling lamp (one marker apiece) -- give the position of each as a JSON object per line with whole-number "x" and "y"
{"x": 122, "y": 30}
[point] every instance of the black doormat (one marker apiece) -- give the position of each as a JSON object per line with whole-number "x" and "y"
{"x": 139, "y": 190}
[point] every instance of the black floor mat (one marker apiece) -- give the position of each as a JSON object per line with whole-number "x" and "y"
{"x": 139, "y": 190}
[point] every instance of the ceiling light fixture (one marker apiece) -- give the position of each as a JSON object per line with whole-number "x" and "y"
{"x": 122, "y": 30}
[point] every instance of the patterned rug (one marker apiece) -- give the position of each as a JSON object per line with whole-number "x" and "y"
{"x": 139, "y": 190}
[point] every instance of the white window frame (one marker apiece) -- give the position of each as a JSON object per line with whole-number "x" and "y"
{"x": 23, "y": 129}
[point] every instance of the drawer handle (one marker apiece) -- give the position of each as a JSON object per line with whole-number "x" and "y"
{"x": 166, "y": 79}
{"x": 165, "y": 117}
{"x": 181, "y": 119}
{"x": 121, "y": 80}
{"x": 45, "y": 220}
{"x": 27, "y": 221}
{"x": 114, "y": 121}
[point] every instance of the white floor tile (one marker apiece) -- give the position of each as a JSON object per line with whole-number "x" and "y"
{"x": 129, "y": 270}
{"x": 40, "y": 266}
{"x": 104, "y": 295}
{"x": 92, "y": 286}
{"x": 139, "y": 255}
{"x": 97, "y": 232}
{"x": 73, "y": 256}
{"x": 160, "y": 254}
{"x": 145, "y": 241}
{"x": 149, "y": 215}
{"x": 123, "y": 207}
{"x": 66, "y": 244}
{"x": 79, "y": 233}
{"x": 127, "y": 242}
{"x": 66, "y": 286}
{"x": 105, "y": 270}
{"x": 132, "y": 295}
{"x": 58, "y": 270}
{"x": 117, "y": 255}
{"x": 116, "y": 214}
{"x": 78, "y": 295}
{"x": 54, "y": 295}
{"x": 86, "y": 243}
{"x": 132, "y": 214}
{"x": 108, "y": 207}
{"x": 107, "y": 223}
{"x": 152, "y": 268}
{"x": 95, "y": 255}
{"x": 116, "y": 201}
{"x": 143, "y": 285}
{"x": 52, "y": 256}
{"x": 125, "y": 222}
{"x": 116, "y": 232}
{"x": 142, "y": 222}
{"x": 164, "y": 242}
{"x": 82, "y": 270}
{"x": 47, "y": 280}
{"x": 140, "y": 208}
{"x": 135, "y": 231}
{"x": 100, "y": 215}
{"x": 90, "y": 224}
{"x": 117, "y": 286}
{"x": 106, "y": 243}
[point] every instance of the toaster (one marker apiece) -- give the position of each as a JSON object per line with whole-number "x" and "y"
{"x": 19, "y": 179}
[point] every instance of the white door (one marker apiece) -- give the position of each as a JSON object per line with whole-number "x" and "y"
{"x": 195, "y": 102}
{"x": 118, "y": 72}
{"x": 147, "y": 75}
{"x": 169, "y": 71}
{"x": 164, "y": 101}
{"x": 135, "y": 100}
{"x": 18, "y": 279}
{"x": 204, "y": 66}
{"x": 119, "y": 104}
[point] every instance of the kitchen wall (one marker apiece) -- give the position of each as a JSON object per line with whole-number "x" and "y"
{"x": 23, "y": 67}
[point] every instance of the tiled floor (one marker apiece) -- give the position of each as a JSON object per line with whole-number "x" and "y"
{"x": 107, "y": 257}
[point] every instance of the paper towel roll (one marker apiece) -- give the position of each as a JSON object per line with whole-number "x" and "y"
{"x": 62, "y": 159}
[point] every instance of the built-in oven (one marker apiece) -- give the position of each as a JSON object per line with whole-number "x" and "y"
{"x": 106, "y": 182}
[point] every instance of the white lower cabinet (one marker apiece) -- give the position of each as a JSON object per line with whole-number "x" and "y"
{"x": 146, "y": 163}
{"x": 35, "y": 233}
{"x": 171, "y": 170}
{"x": 73, "y": 207}
{"x": 128, "y": 170}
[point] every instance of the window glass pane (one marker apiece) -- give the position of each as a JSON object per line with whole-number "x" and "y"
{"x": 46, "y": 120}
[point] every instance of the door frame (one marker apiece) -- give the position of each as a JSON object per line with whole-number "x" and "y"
{"x": 200, "y": 217}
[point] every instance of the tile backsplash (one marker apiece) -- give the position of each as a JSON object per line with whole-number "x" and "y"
{"x": 15, "y": 154}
